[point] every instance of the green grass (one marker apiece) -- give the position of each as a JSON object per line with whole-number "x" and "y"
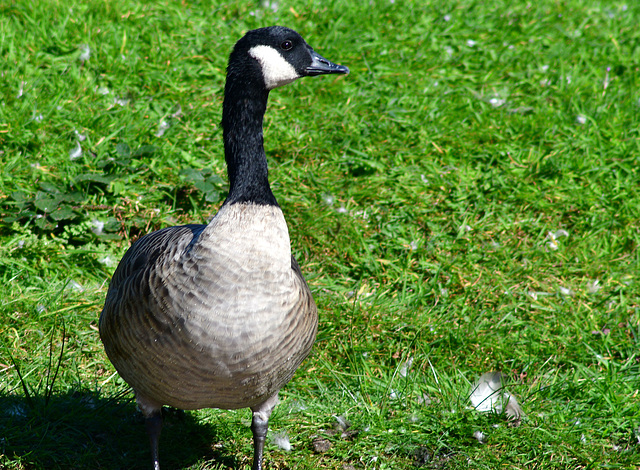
{"x": 420, "y": 192}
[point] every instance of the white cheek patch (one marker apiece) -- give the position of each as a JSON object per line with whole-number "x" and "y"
{"x": 276, "y": 71}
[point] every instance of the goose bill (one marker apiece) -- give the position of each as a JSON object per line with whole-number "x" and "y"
{"x": 320, "y": 66}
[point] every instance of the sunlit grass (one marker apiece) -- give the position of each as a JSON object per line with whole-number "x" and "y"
{"x": 466, "y": 200}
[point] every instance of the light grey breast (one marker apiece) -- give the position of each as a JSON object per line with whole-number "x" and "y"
{"x": 210, "y": 316}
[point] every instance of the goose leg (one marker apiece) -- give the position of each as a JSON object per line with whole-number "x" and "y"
{"x": 152, "y": 413}
{"x": 259, "y": 428}
{"x": 154, "y": 426}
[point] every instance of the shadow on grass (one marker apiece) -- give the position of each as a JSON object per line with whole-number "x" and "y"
{"x": 81, "y": 430}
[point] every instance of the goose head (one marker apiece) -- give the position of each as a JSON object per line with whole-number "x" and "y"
{"x": 275, "y": 56}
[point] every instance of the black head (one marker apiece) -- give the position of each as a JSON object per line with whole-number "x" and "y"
{"x": 279, "y": 56}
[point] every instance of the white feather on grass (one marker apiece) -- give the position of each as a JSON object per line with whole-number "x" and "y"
{"x": 488, "y": 394}
{"x": 281, "y": 439}
{"x": 85, "y": 53}
{"x": 75, "y": 152}
{"x": 404, "y": 368}
{"x": 480, "y": 437}
{"x": 162, "y": 128}
{"x": 342, "y": 423}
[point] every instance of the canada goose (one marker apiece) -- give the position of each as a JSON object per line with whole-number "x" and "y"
{"x": 219, "y": 315}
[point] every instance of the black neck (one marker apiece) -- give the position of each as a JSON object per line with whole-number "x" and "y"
{"x": 242, "y": 113}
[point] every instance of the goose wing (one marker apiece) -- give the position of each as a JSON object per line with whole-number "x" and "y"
{"x": 138, "y": 274}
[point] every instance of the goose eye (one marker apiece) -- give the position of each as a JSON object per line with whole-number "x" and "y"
{"x": 286, "y": 45}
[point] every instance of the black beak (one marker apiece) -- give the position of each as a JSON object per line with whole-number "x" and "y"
{"x": 321, "y": 66}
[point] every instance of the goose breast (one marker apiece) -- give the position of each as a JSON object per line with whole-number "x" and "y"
{"x": 221, "y": 319}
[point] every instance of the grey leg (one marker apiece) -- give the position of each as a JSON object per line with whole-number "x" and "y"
{"x": 152, "y": 413}
{"x": 154, "y": 426}
{"x": 259, "y": 428}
